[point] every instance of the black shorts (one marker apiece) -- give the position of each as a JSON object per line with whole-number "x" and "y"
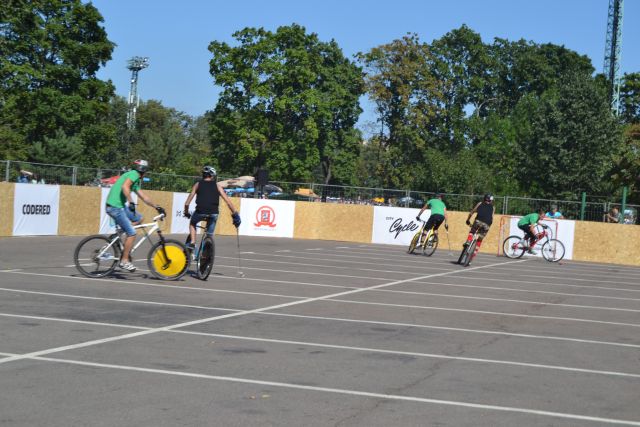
{"x": 434, "y": 221}
{"x": 527, "y": 231}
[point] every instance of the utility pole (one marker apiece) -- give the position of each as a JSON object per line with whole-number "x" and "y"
{"x": 135, "y": 64}
{"x": 612, "y": 53}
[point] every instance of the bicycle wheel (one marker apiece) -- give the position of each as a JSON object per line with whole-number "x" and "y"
{"x": 430, "y": 245}
{"x": 469, "y": 253}
{"x": 95, "y": 257}
{"x": 512, "y": 247}
{"x": 204, "y": 263}
{"x": 414, "y": 242}
{"x": 553, "y": 250}
{"x": 168, "y": 260}
{"x": 463, "y": 253}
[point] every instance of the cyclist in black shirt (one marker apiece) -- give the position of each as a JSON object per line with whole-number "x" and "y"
{"x": 208, "y": 193}
{"x": 484, "y": 218}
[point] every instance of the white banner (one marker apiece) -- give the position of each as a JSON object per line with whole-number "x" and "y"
{"x": 107, "y": 224}
{"x": 396, "y": 226}
{"x": 565, "y": 233}
{"x": 263, "y": 217}
{"x": 35, "y": 209}
{"x": 180, "y": 224}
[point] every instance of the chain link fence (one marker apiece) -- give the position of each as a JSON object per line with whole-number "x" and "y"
{"x": 594, "y": 209}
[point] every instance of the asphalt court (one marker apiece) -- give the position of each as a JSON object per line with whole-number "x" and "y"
{"x": 318, "y": 333}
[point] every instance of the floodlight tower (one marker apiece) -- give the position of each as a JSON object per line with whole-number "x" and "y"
{"x": 612, "y": 52}
{"x": 135, "y": 64}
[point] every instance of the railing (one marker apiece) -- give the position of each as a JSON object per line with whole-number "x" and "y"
{"x": 17, "y": 171}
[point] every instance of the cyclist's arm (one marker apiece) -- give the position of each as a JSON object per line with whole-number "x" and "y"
{"x": 141, "y": 194}
{"x": 474, "y": 210}
{"x": 226, "y": 199}
{"x": 422, "y": 210}
{"x": 194, "y": 189}
{"x": 126, "y": 189}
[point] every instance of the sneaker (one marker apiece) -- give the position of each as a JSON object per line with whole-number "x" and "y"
{"x": 190, "y": 246}
{"x": 532, "y": 252}
{"x": 127, "y": 266}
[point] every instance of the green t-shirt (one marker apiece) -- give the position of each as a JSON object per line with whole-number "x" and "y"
{"x": 437, "y": 206}
{"x": 116, "y": 197}
{"x": 530, "y": 219}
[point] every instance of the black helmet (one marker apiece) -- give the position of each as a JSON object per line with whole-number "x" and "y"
{"x": 141, "y": 165}
{"x": 209, "y": 171}
{"x": 488, "y": 197}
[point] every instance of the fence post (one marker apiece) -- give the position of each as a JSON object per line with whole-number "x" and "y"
{"x": 624, "y": 204}
{"x": 505, "y": 205}
{"x": 74, "y": 176}
{"x": 6, "y": 173}
{"x": 583, "y": 205}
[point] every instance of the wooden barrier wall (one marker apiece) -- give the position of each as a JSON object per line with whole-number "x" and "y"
{"x": 6, "y": 208}
{"x": 79, "y": 214}
{"x": 330, "y": 221}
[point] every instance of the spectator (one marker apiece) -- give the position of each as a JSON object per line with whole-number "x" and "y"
{"x": 25, "y": 177}
{"x": 612, "y": 216}
{"x": 554, "y": 213}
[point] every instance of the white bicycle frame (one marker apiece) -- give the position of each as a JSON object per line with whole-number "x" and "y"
{"x": 154, "y": 227}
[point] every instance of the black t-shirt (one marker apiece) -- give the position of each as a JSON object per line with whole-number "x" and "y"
{"x": 207, "y": 197}
{"x": 485, "y": 213}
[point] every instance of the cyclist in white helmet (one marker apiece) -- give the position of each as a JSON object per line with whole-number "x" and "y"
{"x": 119, "y": 195}
{"x": 207, "y": 192}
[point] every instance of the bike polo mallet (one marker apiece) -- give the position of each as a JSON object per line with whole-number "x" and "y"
{"x": 448, "y": 241}
{"x": 240, "y": 273}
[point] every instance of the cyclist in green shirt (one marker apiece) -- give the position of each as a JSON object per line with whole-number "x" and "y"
{"x": 126, "y": 218}
{"x": 437, "y": 217}
{"x": 528, "y": 225}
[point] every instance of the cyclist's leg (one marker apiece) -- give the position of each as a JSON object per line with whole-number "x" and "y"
{"x": 483, "y": 229}
{"x": 195, "y": 219}
{"x": 437, "y": 222}
{"x": 121, "y": 218}
{"x": 134, "y": 217}
{"x": 211, "y": 225}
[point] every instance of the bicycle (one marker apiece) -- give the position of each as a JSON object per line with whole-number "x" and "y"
{"x": 98, "y": 256}
{"x": 205, "y": 252}
{"x": 469, "y": 249}
{"x": 429, "y": 244}
{"x": 552, "y": 249}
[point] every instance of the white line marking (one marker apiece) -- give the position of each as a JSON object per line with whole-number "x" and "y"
{"x": 348, "y": 392}
{"x": 285, "y": 250}
{"x": 493, "y": 313}
{"x": 342, "y": 347}
{"x": 230, "y": 315}
{"x": 447, "y": 328}
{"x": 553, "y": 284}
{"x": 10, "y": 271}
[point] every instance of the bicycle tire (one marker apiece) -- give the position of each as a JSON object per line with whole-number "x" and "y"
{"x": 469, "y": 253}
{"x": 553, "y": 250}
{"x": 512, "y": 247}
{"x": 172, "y": 268}
{"x": 430, "y": 245}
{"x": 414, "y": 242}
{"x": 462, "y": 254}
{"x": 206, "y": 258}
{"x": 86, "y": 255}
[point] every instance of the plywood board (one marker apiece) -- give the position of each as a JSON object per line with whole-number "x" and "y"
{"x": 609, "y": 243}
{"x": 79, "y": 210}
{"x": 328, "y": 221}
{"x": 6, "y": 208}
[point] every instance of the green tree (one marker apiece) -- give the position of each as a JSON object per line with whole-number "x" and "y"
{"x": 289, "y": 103}
{"x": 630, "y": 98}
{"x": 50, "y": 51}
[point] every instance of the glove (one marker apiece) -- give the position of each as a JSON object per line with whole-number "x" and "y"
{"x": 236, "y": 219}
{"x": 446, "y": 226}
{"x": 132, "y": 207}
{"x": 186, "y": 213}
{"x": 545, "y": 226}
{"x": 161, "y": 210}
{"x": 418, "y": 218}
{"x": 468, "y": 222}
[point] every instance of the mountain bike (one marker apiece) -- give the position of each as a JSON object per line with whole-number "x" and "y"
{"x": 552, "y": 249}
{"x": 98, "y": 256}
{"x": 204, "y": 253}
{"x": 428, "y": 244}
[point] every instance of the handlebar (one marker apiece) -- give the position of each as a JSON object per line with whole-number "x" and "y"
{"x": 159, "y": 217}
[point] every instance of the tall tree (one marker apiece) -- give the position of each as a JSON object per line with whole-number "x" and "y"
{"x": 50, "y": 52}
{"x": 289, "y": 103}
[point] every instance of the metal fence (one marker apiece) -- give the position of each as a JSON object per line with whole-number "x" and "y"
{"x": 592, "y": 209}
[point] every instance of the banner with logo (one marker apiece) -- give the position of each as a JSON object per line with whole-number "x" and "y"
{"x": 263, "y": 217}
{"x": 35, "y": 210}
{"x": 395, "y": 226}
{"x": 180, "y": 224}
{"x": 565, "y": 232}
{"x": 107, "y": 224}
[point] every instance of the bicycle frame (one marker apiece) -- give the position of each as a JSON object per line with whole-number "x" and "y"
{"x": 155, "y": 227}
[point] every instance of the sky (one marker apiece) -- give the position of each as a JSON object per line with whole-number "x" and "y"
{"x": 175, "y": 34}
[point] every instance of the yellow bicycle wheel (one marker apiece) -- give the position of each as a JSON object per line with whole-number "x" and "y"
{"x": 169, "y": 261}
